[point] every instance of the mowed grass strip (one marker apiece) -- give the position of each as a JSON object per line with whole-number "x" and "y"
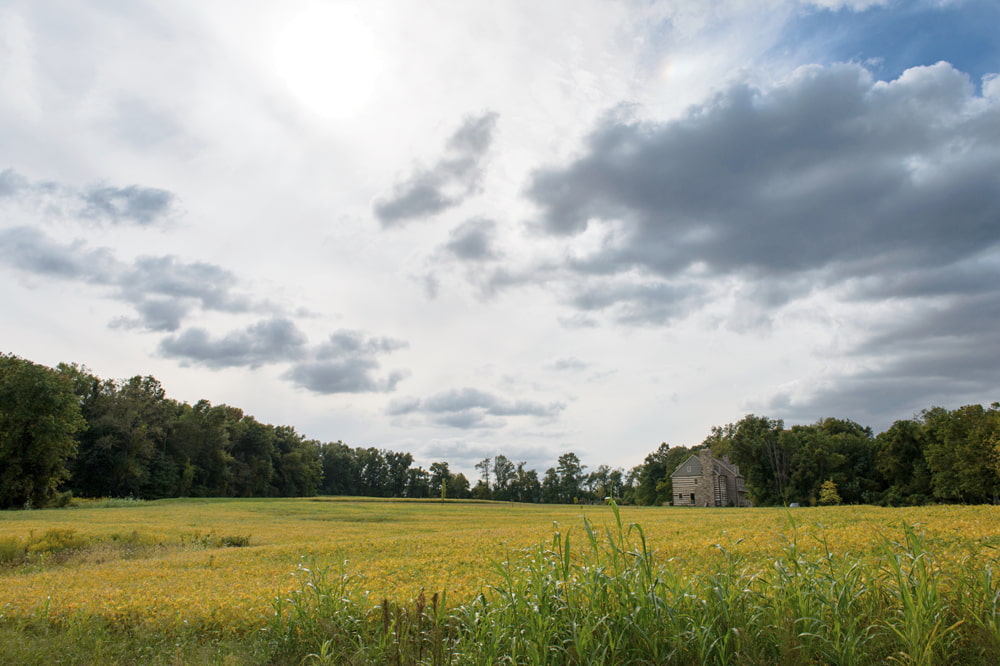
{"x": 218, "y": 565}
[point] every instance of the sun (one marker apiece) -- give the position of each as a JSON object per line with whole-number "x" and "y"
{"x": 328, "y": 59}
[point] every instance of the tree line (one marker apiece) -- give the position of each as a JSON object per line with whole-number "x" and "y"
{"x": 938, "y": 456}
{"x": 65, "y": 432}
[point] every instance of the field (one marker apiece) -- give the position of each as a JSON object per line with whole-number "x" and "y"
{"x": 180, "y": 581}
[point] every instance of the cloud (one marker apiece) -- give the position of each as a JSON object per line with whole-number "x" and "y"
{"x": 463, "y": 454}
{"x": 645, "y": 303}
{"x": 568, "y": 364}
{"x": 142, "y": 205}
{"x": 163, "y": 290}
{"x": 32, "y": 251}
{"x": 347, "y": 363}
{"x": 211, "y": 286}
{"x": 451, "y": 180}
{"x": 12, "y": 183}
{"x": 132, "y": 204}
{"x": 883, "y": 196}
{"x": 471, "y": 408}
{"x": 829, "y": 175}
{"x": 259, "y": 344}
{"x": 473, "y": 240}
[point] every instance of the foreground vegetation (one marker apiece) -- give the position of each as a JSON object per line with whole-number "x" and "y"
{"x": 348, "y": 581}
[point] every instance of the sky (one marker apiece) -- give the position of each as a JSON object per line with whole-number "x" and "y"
{"x": 521, "y": 228}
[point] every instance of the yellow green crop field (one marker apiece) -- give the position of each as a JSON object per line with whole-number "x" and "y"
{"x": 220, "y": 564}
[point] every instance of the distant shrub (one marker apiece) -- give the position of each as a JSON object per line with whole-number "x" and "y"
{"x": 12, "y": 550}
{"x": 212, "y": 540}
{"x": 55, "y": 541}
{"x": 113, "y": 503}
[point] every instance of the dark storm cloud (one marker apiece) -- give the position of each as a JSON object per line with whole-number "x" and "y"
{"x": 473, "y": 240}
{"x": 448, "y": 183}
{"x": 885, "y": 195}
{"x": 112, "y": 205}
{"x": 471, "y": 408}
{"x": 943, "y": 350}
{"x": 347, "y": 363}
{"x": 830, "y": 170}
{"x": 265, "y": 342}
{"x": 163, "y": 289}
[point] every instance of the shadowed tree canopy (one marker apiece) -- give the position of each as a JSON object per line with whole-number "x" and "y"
{"x": 39, "y": 415}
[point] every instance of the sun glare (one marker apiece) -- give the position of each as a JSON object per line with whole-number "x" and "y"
{"x": 328, "y": 59}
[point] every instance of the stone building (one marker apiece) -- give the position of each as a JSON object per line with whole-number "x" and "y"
{"x": 704, "y": 480}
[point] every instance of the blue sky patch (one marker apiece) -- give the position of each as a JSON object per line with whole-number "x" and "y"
{"x": 891, "y": 39}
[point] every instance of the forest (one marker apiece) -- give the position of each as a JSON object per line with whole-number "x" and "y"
{"x": 66, "y": 433}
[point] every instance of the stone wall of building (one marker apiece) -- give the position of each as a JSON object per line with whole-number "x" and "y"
{"x": 704, "y": 491}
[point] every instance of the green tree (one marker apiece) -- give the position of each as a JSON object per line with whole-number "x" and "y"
{"x": 340, "y": 469}
{"x": 39, "y": 414}
{"x": 504, "y": 475}
{"x": 458, "y": 486}
{"x": 526, "y": 487}
{"x": 397, "y": 470}
{"x": 373, "y": 472}
{"x": 755, "y": 444}
{"x": 550, "y": 487}
{"x": 484, "y": 466}
{"x": 297, "y": 466}
{"x": 653, "y": 486}
{"x": 417, "y": 482}
{"x": 253, "y": 451}
{"x": 961, "y": 453}
{"x": 440, "y": 474}
{"x": 901, "y": 464}
{"x": 570, "y": 477}
{"x": 828, "y": 495}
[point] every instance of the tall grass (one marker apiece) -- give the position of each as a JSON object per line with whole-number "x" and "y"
{"x": 606, "y": 598}
{"x": 591, "y": 594}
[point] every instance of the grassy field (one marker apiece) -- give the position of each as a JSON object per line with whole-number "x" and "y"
{"x": 179, "y": 581}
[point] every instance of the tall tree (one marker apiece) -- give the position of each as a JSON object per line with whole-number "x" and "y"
{"x": 653, "y": 485}
{"x": 901, "y": 464}
{"x": 550, "y": 490}
{"x": 962, "y": 453}
{"x": 484, "y": 466}
{"x": 252, "y": 447}
{"x": 340, "y": 469}
{"x": 504, "y": 474}
{"x": 570, "y": 477}
{"x": 763, "y": 457}
{"x": 373, "y": 473}
{"x": 440, "y": 474}
{"x": 458, "y": 486}
{"x": 397, "y": 470}
{"x": 527, "y": 487}
{"x": 418, "y": 482}
{"x": 39, "y": 414}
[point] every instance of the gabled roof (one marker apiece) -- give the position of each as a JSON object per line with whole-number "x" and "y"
{"x": 728, "y": 466}
{"x": 690, "y": 467}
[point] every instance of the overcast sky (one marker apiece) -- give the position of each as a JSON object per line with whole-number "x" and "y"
{"x": 520, "y": 227}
